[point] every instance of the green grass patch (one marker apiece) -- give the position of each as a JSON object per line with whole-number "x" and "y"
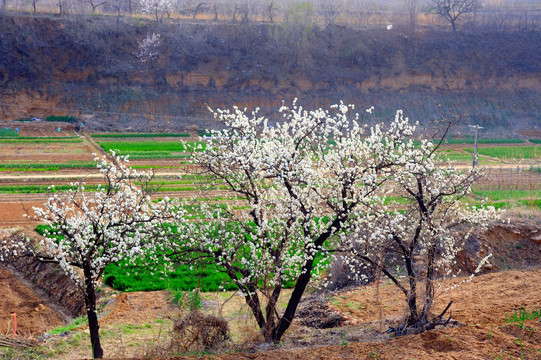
{"x": 143, "y": 155}
{"x": 535, "y": 203}
{"x": 138, "y": 135}
{"x": 143, "y": 167}
{"x": 143, "y": 146}
{"x": 61, "y": 118}
{"x": 44, "y": 140}
{"x": 126, "y": 277}
{"x": 518, "y": 152}
{"x": 8, "y": 133}
{"x": 536, "y": 141}
{"x": 521, "y": 315}
{"x": 75, "y": 323}
{"x": 46, "y": 166}
{"x": 482, "y": 141}
{"x": 450, "y": 155}
{"x": 498, "y": 195}
{"x": 40, "y": 189}
{"x": 184, "y": 278}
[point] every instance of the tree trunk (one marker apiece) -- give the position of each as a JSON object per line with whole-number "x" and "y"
{"x": 93, "y": 326}
{"x": 294, "y": 300}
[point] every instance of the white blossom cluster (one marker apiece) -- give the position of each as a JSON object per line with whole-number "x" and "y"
{"x": 157, "y": 7}
{"x": 148, "y": 48}
{"x": 316, "y": 184}
{"x": 426, "y": 226}
{"x": 320, "y": 183}
{"x": 307, "y": 182}
{"x": 13, "y": 247}
{"x": 114, "y": 223}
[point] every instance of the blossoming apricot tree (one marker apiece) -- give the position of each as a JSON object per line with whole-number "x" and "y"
{"x": 420, "y": 232}
{"x": 93, "y": 229}
{"x": 304, "y": 184}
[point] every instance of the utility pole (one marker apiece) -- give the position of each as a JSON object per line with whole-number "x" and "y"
{"x": 475, "y": 157}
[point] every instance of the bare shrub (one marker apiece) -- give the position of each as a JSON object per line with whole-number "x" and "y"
{"x": 199, "y": 332}
{"x": 340, "y": 274}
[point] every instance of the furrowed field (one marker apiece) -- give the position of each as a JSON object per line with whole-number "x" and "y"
{"x": 31, "y": 164}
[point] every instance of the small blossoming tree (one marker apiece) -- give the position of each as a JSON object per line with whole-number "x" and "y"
{"x": 116, "y": 222}
{"x": 420, "y": 232}
{"x": 304, "y": 185}
{"x": 148, "y": 48}
{"x": 157, "y": 8}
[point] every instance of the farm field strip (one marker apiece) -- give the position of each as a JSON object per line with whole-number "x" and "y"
{"x": 139, "y": 135}
{"x": 141, "y": 146}
{"x": 41, "y": 140}
{"x": 483, "y": 141}
{"x": 503, "y": 153}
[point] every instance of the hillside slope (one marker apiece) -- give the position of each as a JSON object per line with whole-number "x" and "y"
{"x": 90, "y": 65}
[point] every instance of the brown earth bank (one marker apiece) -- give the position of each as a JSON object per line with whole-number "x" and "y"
{"x": 33, "y": 314}
{"x": 48, "y": 68}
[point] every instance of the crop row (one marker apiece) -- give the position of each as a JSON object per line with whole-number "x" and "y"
{"x": 42, "y": 189}
{"x": 143, "y": 155}
{"x": 139, "y": 135}
{"x": 9, "y": 133}
{"x": 46, "y": 166}
{"x": 498, "y": 195}
{"x": 171, "y": 146}
{"x": 484, "y": 141}
{"x": 43, "y": 140}
{"x": 518, "y": 152}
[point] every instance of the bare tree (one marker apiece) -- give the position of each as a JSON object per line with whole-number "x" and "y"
{"x": 361, "y": 11}
{"x": 157, "y": 7}
{"x": 270, "y": 9}
{"x": 95, "y": 4}
{"x": 34, "y": 2}
{"x": 412, "y": 7}
{"x": 330, "y": 9}
{"x": 63, "y": 7}
{"x": 198, "y": 8}
{"x": 452, "y": 10}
